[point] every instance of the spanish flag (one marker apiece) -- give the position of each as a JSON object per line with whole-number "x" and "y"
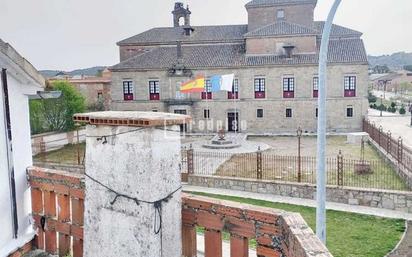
{"x": 192, "y": 86}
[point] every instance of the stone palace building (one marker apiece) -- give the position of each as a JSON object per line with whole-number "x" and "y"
{"x": 274, "y": 58}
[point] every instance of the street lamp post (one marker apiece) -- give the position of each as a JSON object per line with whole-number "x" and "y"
{"x": 321, "y": 139}
{"x": 299, "y": 134}
{"x": 381, "y": 106}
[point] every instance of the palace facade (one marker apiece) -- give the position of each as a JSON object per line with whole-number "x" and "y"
{"x": 275, "y": 61}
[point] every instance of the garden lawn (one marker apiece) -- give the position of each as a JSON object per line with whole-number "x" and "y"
{"x": 65, "y": 155}
{"x": 348, "y": 234}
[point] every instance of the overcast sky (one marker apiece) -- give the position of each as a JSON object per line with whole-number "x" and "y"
{"x": 72, "y": 34}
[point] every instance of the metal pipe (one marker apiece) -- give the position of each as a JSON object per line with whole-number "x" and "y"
{"x": 321, "y": 138}
{"x": 10, "y": 164}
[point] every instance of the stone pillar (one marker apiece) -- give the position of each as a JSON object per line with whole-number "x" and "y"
{"x": 135, "y": 154}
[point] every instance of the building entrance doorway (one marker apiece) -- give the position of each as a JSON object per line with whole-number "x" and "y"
{"x": 233, "y": 121}
{"x": 183, "y": 127}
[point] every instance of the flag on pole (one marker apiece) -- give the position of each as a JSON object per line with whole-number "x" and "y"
{"x": 192, "y": 86}
{"x": 222, "y": 82}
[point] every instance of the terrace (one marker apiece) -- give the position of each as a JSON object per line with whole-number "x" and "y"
{"x": 58, "y": 211}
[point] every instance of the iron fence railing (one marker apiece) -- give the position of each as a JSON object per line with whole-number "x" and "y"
{"x": 393, "y": 147}
{"x": 374, "y": 174}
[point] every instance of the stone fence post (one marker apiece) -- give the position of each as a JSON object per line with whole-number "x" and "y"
{"x": 133, "y": 186}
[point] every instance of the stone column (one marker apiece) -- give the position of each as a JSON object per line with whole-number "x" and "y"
{"x": 135, "y": 154}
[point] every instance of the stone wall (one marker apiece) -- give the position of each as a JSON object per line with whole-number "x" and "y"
{"x": 300, "y": 14}
{"x": 391, "y": 200}
{"x": 274, "y": 45}
{"x": 274, "y": 105}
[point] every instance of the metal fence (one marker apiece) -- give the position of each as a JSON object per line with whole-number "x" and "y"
{"x": 394, "y": 147}
{"x": 376, "y": 174}
{"x": 60, "y": 151}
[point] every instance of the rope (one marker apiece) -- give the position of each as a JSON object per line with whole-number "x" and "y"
{"x": 157, "y": 204}
{"x": 103, "y": 138}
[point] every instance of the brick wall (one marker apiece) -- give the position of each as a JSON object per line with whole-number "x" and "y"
{"x": 57, "y": 198}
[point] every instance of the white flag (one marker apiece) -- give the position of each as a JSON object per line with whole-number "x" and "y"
{"x": 227, "y": 82}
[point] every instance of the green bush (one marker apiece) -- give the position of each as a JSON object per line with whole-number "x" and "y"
{"x": 393, "y": 104}
{"x": 56, "y": 114}
{"x": 382, "y": 107}
{"x": 402, "y": 110}
{"x": 372, "y": 98}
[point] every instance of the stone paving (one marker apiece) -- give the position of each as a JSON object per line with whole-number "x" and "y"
{"x": 399, "y": 125}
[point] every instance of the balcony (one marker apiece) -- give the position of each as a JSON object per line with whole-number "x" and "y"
{"x": 58, "y": 207}
{"x": 350, "y": 93}
{"x": 181, "y": 101}
{"x": 260, "y": 95}
{"x": 206, "y": 96}
{"x": 288, "y": 94}
{"x": 154, "y": 96}
{"x": 128, "y": 97}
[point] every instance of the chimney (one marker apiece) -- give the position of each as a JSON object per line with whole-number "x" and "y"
{"x": 288, "y": 50}
{"x": 179, "y": 52}
{"x": 188, "y": 30}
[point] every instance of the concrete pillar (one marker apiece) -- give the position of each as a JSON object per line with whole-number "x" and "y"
{"x": 140, "y": 161}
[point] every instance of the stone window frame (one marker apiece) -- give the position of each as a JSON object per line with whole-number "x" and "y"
{"x": 206, "y": 113}
{"x": 350, "y": 111}
{"x": 288, "y": 86}
{"x": 289, "y": 113}
{"x": 234, "y": 94}
{"x": 207, "y": 94}
{"x": 128, "y": 89}
{"x": 154, "y": 89}
{"x": 259, "y": 113}
{"x": 259, "y": 87}
{"x": 315, "y": 86}
{"x": 350, "y": 85}
{"x": 280, "y": 17}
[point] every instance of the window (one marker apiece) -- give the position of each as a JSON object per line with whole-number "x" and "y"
{"x": 235, "y": 90}
{"x": 288, "y": 113}
{"x": 206, "y": 113}
{"x": 315, "y": 86}
{"x": 99, "y": 96}
{"x": 350, "y": 86}
{"x": 316, "y": 112}
{"x": 280, "y": 14}
{"x": 288, "y": 87}
{"x": 154, "y": 110}
{"x": 259, "y": 113}
{"x": 208, "y": 90}
{"x": 128, "y": 90}
{"x": 154, "y": 90}
{"x": 260, "y": 88}
{"x": 349, "y": 112}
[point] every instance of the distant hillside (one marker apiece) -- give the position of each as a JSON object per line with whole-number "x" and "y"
{"x": 87, "y": 72}
{"x": 395, "y": 61}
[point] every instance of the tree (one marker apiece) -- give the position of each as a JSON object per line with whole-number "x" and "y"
{"x": 380, "y": 69}
{"x": 57, "y": 114}
{"x": 371, "y": 97}
{"x": 407, "y": 67}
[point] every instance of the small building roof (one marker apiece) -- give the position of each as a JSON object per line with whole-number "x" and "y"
{"x": 12, "y": 55}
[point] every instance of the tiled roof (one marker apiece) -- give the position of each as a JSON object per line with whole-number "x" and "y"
{"x": 228, "y": 33}
{"x": 233, "y": 55}
{"x": 255, "y": 3}
{"x": 201, "y": 33}
{"x": 337, "y": 30}
{"x": 280, "y": 29}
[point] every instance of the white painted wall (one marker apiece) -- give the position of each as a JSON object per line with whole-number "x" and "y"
{"x": 20, "y": 86}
